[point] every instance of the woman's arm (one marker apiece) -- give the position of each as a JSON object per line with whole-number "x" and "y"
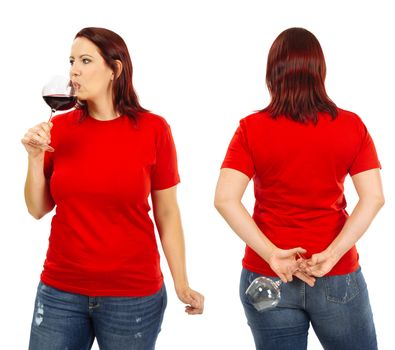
{"x": 37, "y": 195}
{"x": 230, "y": 189}
{"x": 168, "y": 221}
{"x": 371, "y": 198}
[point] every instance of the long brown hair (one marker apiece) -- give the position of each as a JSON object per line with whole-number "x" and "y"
{"x": 112, "y": 47}
{"x": 295, "y": 77}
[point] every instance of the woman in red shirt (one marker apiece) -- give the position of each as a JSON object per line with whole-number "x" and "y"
{"x": 298, "y": 150}
{"x": 102, "y": 276}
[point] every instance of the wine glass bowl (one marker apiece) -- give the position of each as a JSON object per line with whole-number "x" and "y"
{"x": 59, "y": 94}
{"x": 264, "y": 293}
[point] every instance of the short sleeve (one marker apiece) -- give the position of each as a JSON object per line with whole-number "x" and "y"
{"x": 366, "y": 158}
{"x": 239, "y": 156}
{"x": 164, "y": 173}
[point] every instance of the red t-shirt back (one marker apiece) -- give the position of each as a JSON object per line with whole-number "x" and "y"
{"x": 298, "y": 172}
{"x": 102, "y": 240}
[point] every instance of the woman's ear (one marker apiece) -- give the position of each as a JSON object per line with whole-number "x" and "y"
{"x": 118, "y": 70}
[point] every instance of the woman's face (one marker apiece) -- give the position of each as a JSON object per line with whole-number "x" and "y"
{"x": 91, "y": 76}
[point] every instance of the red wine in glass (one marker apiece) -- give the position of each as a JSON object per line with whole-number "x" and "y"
{"x": 60, "y": 102}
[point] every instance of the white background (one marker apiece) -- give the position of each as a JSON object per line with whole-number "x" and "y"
{"x": 201, "y": 65}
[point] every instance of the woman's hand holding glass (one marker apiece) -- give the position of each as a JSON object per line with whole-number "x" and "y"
{"x": 60, "y": 95}
{"x": 37, "y": 139}
{"x": 264, "y": 293}
{"x": 289, "y": 263}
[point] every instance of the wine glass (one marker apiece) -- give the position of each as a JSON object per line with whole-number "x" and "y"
{"x": 60, "y": 95}
{"x": 265, "y": 293}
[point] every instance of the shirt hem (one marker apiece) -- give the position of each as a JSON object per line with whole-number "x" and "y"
{"x": 102, "y": 292}
{"x": 267, "y": 271}
{"x": 227, "y": 165}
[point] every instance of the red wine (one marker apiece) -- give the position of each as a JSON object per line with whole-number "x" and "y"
{"x": 60, "y": 102}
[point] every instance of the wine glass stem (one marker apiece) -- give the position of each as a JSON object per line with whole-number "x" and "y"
{"x": 51, "y": 115}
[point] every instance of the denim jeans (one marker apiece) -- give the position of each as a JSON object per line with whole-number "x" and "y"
{"x": 71, "y": 321}
{"x": 337, "y": 307}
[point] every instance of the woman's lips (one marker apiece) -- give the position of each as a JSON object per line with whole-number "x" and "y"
{"x": 76, "y": 86}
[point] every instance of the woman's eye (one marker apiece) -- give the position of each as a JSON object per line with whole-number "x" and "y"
{"x": 85, "y": 61}
{"x": 71, "y": 62}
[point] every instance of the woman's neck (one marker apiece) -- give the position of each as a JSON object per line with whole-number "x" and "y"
{"x": 102, "y": 111}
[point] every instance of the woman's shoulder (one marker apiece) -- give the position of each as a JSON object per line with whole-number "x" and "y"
{"x": 152, "y": 120}
{"x": 255, "y": 118}
{"x": 348, "y": 116}
{"x": 350, "y": 121}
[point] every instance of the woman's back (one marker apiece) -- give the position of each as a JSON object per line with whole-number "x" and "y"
{"x": 299, "y": 171}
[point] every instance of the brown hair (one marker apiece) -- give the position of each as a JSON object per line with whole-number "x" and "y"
{"x": 112, "y": 48}
{"x": 295, "y": 77}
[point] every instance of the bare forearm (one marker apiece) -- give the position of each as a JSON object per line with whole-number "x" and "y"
{"x": 168, "y": 222}
{"x": 244, "y": 226}
{"x": 355, "y": 226}
{"x": 173, "y": 244}
{"x": 37, "y": 197}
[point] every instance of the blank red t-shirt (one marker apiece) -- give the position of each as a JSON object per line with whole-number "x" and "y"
{"x": 102, "y": 240}
{"x": 298, "y": 172}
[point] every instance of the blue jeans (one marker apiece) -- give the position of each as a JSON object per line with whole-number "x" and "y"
{"x": 71, "y": 321}
{"x": 337, "y": 307}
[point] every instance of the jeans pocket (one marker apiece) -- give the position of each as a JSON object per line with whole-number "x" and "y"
{"x": 341, "y": 288}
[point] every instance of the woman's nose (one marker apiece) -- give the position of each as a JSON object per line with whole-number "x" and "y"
{"x": 74, "y": 71}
